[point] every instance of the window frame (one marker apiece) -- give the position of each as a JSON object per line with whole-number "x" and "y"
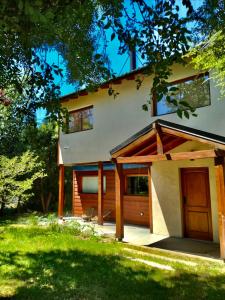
{"x": 92, "y": 175}
{"x": 126, "y": 185}
{"x": 80, "y": 110}
{"x": 182, "y": 80}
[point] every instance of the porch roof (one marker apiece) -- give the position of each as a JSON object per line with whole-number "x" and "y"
{"x": 165, "y": 135}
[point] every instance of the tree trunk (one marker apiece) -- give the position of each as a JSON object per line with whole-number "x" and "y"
{"x": 48, "y": 201}
{"x": 43, "y": 202}
{"x": 2, "y": 208}
{"x": 42, "y": 197}
{"x": 18, "y": 206}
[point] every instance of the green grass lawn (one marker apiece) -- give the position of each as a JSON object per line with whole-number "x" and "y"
{"x": 38, "y": 262}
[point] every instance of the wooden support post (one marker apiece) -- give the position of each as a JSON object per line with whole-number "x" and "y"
{"x": 150, "y": 198}
{"x": 219, "y": 170}
{"x": 61, "y": 191}
{"x": 119, "y": 201}
{"x": 75, "y": 192}
{"x": 100, "y": 193}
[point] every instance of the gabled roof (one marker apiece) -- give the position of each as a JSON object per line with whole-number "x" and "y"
{"x": 144, "y": 141}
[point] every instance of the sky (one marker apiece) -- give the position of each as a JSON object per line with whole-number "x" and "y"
{"x": 119, "y": 63}
{"x": 121, "y": 66}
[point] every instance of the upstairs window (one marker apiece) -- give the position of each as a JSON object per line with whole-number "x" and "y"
{"x": 137, "y": 185}
{"x": 81, "y": 119}
{"x": 194, "y": 90}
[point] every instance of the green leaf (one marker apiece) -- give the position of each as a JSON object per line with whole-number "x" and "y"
{"x": 186, "y": 114}
{"x": 180, "y": 113}
{"x": 173, "y": 89}
{"x": 107, "y": 26}
{"x": 113, "y": 36}
{"x": 98, "y": 56}
{"x": 184, "y": 103}
{"x": 145, "y": 107}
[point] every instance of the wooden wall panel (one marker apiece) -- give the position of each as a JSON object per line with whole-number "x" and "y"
{"x": 136, "y": 208}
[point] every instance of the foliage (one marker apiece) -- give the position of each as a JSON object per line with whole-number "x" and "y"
{"x": 51, "y": 223}
{"x": 209, "y": 55}
{"x": 42, "y": 264}
{"x": 209, "y": 18}
{"x": 17, "y": 176}
{"x": 43, "y": 141}
{"x": 11, "y": 126}
{"x": 27, "y": 30}
{"x": 19, "y": 134}
{"x": 157, "y": 31}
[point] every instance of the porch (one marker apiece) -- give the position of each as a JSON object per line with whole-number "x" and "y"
{"x": 140, "y": 236}
{"x": 185, "y": 175}
{"x": 186, "y": 184}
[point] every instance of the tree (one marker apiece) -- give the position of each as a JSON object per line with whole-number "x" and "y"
{"x": 12, "y": 125}
{"x": 19, "y": 134}
{"x": 28, "y": 28}
{"x": 43, "y": 142}
{"x": 159, "y": 30}
{"x": 209, "y": 54}
{"x": 17, "y": 176}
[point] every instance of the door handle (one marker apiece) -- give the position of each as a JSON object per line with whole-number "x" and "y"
{"x": 184, "y": 199}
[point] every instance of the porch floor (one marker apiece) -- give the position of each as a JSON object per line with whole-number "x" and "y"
{"x": 141, "y": 236}
{"x": 189, "y": 246}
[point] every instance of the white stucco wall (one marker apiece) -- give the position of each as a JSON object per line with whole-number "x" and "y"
{"x": 166, "y": 192}
{"x": 115, "y": 120}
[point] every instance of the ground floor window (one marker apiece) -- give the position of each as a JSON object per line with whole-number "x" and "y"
{"x": 137, "y": 185}
{"x": 90, "y": 184}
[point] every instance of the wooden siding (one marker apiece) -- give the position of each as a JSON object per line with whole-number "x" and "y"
{"x": 136, "y": 208}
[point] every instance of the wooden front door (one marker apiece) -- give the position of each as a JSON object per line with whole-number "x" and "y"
{"x": 196, "y": 203}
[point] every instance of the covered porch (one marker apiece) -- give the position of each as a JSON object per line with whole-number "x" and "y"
{"x": 186, "y": 183}
{"x": 186, "y": 199}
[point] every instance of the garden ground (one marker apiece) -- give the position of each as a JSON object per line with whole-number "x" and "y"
{"x": 63, "y": 262}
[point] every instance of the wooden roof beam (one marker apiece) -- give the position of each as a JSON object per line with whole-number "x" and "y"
{"x": 105, "y": 86}
{"x": 174, "y": 143}
{"x": 152, "y": 148}
{"x": 169, "y": 156}
{"x": 159, "y": 141}
{"x": 189, "y": 136}
{"x": 83, "y": 93}
{"x": 131, "y": 77}
{"x": 117, "y": 81}
{"x": 146, "y": 150}
{"x": 132, "y": 145}
{"x": 140, "y": 147}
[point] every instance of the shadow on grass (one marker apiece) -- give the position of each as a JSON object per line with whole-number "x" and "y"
{"x": 77, "y": 274}
{"x": 15, "y": 217}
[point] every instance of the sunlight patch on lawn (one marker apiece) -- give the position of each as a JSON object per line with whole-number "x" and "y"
{"x": 41, "y": 262}
{"x": 8, "y": 287}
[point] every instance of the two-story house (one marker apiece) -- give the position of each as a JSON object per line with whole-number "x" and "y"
{"x": 148, "y": 168}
